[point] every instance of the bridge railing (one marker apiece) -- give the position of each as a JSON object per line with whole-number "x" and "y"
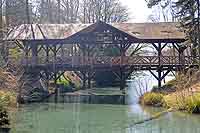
{"x": 110, "y": 61}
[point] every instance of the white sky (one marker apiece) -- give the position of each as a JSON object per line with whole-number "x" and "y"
{"x": 138, "y": 9}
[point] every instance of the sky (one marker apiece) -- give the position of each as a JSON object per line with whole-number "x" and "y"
{"x": 138, "y": 10}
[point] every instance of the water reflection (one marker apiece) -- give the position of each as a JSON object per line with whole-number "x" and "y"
{"x": 83, "y": 118}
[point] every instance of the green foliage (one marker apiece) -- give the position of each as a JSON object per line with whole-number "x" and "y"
{"x": 151, "y": 98}
{"x": 15, "y": 52}
{"x": 63, "y": 81}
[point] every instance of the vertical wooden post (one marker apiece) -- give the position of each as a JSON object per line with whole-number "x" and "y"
{"x": 34, "y": 53}
{"x": 122, "y": 80}
{"x": 159, "y": 78}
{"x": 122, "y": 76}
{"x": 56, "y": 87}
{"x": 159, "y": 53}
{"x": 84, "y": 54}
{"x": 26, "y": 51}
{"x": 159, "y": 67}
{"x": 122, "y": 52}
{"x": 47, "y": 53}
{"x": 62, "y": 51}
{"x": 47, "y": 79}
{"x": 89, "y": 80}
{"x": 84, "y": 79}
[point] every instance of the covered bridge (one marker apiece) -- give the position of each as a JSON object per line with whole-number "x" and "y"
{"x": 54, "y": 48}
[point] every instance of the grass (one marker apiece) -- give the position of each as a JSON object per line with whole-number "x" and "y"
{"x": 7, "y": 101}
{"x": 152, "y": 98}
{"x": 177, "y": 101}
{"x": 193, "y": 103}
{"x": 181, "y": 93}
{"x": 181, "y": 100}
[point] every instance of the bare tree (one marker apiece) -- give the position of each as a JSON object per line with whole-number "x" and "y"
{"x": 162, "y": 10}
{"x": 71, "y": 8}
{"x": 104, "y": 10}
{"x": 85, "y": 11}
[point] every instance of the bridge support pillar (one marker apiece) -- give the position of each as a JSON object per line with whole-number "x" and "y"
{"x": 159, "y": 78}
{"x": 89, "y": 80}
{"x": 84, "y": 80}
{"x": 56, "y": 88}
{"x": 122, "y": 80}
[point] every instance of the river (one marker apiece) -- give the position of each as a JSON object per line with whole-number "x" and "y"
{"x": 91, "y": 118}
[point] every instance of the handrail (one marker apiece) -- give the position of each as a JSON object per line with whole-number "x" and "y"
{"x": 110, "y": 61}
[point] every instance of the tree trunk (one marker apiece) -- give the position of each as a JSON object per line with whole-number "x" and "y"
{"x": 27, "y": 12}
{"x": 59, "y": 12}
{"x": 1, "y": 21}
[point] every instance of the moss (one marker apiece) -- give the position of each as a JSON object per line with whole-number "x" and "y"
{"x": 151, "y": 98}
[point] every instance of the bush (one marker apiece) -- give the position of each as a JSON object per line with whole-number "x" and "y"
{"x": 151, "y": 98}
{"x": 193, "y": 103}
{"x": 175, "y": 101}
{"x": 7, "y": 99}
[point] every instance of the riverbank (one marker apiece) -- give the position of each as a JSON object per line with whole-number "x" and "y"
{"x": 8, "y": 98}
{"x": 182, "y": 93}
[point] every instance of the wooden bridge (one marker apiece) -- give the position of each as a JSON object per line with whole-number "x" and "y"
{"x": 144, "y": 62}
{"x": 54, "y": 49}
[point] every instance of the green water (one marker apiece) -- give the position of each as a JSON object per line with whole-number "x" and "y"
{"x": 84, "y": 118}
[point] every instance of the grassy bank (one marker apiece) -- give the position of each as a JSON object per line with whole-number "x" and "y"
{"x": 8, "y": 96}
{"x": 8, "y": 102}
{"x": 182, "y": 93}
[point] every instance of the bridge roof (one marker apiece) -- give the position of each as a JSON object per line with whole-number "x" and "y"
{"x": 143, "y": 31}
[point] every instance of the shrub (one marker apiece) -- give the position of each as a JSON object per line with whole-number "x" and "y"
{"x": 193, "y": 103}
{"x": 7, "y": 99}
{"x": 175, "y": 101}
{"x": 152, "y": 98}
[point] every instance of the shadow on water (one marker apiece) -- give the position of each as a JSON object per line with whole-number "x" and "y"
{"x": 91, "y": 118}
